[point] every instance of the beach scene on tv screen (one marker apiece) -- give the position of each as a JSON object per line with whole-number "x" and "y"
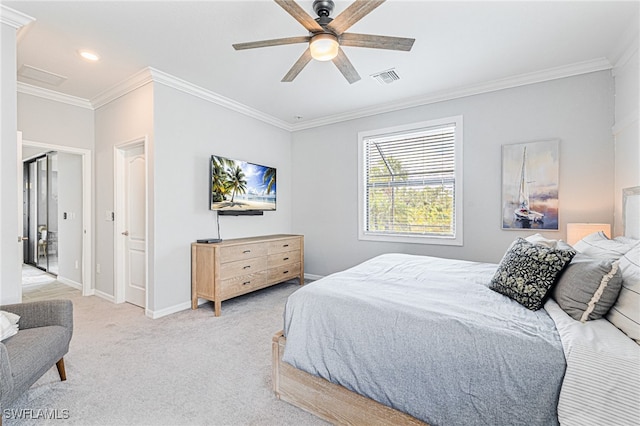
{"x": 238, "y": 185}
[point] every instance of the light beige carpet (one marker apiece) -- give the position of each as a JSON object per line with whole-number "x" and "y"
{"x": 189, "y": 368}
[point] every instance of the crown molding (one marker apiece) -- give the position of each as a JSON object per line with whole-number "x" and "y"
{"x": 207, "y": 95}
{"x": 148, "y": 75}
{"x": 52, "y": 95}
{"x": 132, "y": 83}
{"x": 14, "y": 18}
{"x": 578, "y": 68}
{"x": 626, "y": 55}
{"x": 626, "y": 47}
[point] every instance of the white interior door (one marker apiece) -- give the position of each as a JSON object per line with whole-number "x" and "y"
{"x": 133, "y": 226}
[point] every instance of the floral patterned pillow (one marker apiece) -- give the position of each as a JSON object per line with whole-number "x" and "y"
{"x": 528, "y": 271}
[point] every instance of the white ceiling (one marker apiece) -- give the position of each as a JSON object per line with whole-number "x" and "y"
{"x": 459, "y": 45}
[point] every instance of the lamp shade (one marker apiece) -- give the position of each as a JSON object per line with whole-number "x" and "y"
{"x": 577, "y": 231}
{"x": 324, "y": 47}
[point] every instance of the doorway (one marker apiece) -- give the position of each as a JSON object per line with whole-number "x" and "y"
{"x": 73, "y": 238}
{"x": 40, "y": 212}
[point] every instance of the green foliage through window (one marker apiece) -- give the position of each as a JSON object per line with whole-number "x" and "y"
{"x": 410, "y": 182}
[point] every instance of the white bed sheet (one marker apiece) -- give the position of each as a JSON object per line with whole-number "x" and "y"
{"x": 601, "y": 385}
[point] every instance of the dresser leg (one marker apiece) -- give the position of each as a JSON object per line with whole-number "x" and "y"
{"x": 217, "y": 307}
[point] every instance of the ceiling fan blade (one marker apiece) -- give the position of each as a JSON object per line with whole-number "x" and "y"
{"x": 300, "y": 15}
{"x": 352, "y": 14}
{"x": 346, "y": 68}
{"x": 272, "y": 42}
{"x": 298, "y": 66}
{"x": 376, "y": 41}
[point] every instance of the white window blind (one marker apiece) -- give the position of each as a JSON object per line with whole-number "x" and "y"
{"x": 410, "y": 182}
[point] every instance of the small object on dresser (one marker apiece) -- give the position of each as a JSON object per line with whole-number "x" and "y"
{"x": 209, "y": 241}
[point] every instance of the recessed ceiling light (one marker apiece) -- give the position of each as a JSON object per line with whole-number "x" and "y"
{"x": 89, "y": 55}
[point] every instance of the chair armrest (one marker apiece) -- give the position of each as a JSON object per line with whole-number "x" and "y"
{"x": 43, "y": 313}
{"x": 6, "y": 379}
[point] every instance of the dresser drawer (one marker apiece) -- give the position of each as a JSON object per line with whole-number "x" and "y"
{"x": 243, "y": 284}
{"x": 284, "y": 272}
{"x": 239, "y": 252}
{"x": 286, "y": 258}
{"x": 281, "y": 246}
{"x": 242, "y": 267}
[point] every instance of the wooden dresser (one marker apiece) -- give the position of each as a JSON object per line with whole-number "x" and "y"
{"x": 234, "y": 267}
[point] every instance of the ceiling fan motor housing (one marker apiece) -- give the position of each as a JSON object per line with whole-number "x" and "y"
{"x": 323, "y": 7}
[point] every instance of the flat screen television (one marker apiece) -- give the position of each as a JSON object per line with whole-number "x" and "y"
{"x": 238, "y": 187}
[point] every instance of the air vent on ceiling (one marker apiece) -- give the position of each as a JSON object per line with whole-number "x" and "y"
{"x": 42, "y": 76}
{"x": 386, "y": 77}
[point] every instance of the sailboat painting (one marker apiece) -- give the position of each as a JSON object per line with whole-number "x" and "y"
{"x": 530, "y": 175}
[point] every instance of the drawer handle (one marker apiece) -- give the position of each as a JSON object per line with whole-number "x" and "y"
{"x": 286, "y": 258}
{"x": 285, "y": 272}
{"x": 246, "y": 251}
{"x": 285, "y": 245}
{"x": 247, "y": 267}
{"x": 246, "y": 282}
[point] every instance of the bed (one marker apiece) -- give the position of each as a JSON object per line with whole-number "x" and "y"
{"x": 403, "y": 339}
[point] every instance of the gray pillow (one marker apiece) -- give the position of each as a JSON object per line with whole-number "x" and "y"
{"x": 588, "y": 287}
{"x": 528, "y": 271}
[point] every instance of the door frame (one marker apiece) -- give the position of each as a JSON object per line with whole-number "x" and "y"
{"x": 21, "y": 236}
{"x": 119, "y": 202}
{"x": 87, "y": 197}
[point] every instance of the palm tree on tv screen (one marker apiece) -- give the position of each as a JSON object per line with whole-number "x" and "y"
{"x": 218, "y": 181}
{"x": 237, "y": 182}
{"x": 269, "y": 178}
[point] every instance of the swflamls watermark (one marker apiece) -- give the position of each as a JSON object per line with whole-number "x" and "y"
{"x": 35, "y": 414}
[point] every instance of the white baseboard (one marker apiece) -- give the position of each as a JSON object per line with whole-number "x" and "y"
{"x": 69, "y": 282}
{"x": 104, "y": 296}
{"x": 312, "y": 277}
{"x": 167, "y": 311}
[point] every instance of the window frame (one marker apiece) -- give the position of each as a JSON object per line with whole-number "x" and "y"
{"x": 457, "y": 239}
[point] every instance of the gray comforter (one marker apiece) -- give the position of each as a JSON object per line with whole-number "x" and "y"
{"x": 427, "y": 336}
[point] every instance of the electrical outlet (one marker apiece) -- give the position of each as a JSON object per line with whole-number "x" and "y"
{"x": 77, "y": 264}
{"x": 97, "y": 268}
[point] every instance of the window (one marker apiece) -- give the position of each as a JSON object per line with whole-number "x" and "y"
{"x": 411, "y": 183}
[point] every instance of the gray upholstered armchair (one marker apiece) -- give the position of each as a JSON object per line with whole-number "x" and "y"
{"x": 42, "y": 340}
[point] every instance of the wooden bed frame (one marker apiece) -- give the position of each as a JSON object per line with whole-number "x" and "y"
{"x": 327, "y": 400}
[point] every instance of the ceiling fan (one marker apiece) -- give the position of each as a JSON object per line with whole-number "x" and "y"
{"x": 327, "y": 35}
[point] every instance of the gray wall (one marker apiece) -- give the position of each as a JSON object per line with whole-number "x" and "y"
{"x": 187, "y": 131}
{"x": 56, "y": 123}
{"x": 127, "y": 118}
{"x": 70, "y": 229}
{"x": 183, "y": 132}
{"x": 578, "y": 111}
{"x": 10, "y": 249}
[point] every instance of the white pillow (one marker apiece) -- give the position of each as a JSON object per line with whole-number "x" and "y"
{"x": 542, "y": 241}
{"x": 625, "y": 313}
{"x": 7, "y": 329}
{"x": 14, "y": 318}
{"x": 599, "y": 245}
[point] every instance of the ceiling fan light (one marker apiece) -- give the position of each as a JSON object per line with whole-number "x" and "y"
{"x": 324, "y": 47}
